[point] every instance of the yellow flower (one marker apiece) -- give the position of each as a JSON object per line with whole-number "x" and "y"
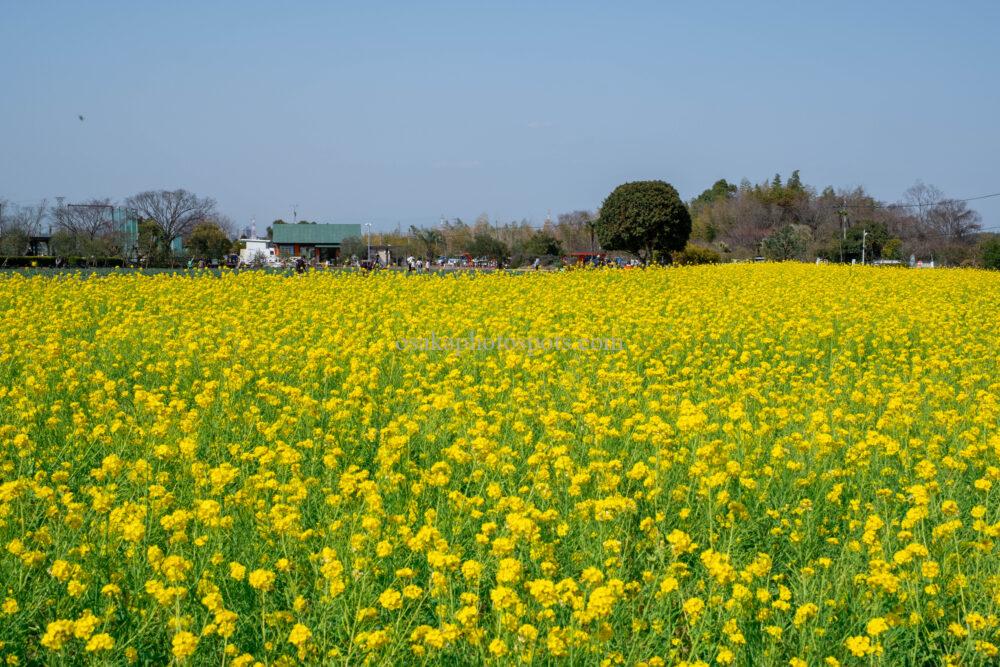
{"x": 958, "y": 630}
{"x": 601, "y": 602}
{"x": 876, "y": 626}
{"x": 56, "y": 634}
{"x": 668, "y": 585}
{"x": 184, "y": 644}
{"x": 84, "y": 626}
{"x": 100, "y": 642}
{"x": 472, "y": 570}
{"x": 988, "y": 649}
{"x": 509, "y": 571}
{"x": 860, "y": 646}
{"x": 680, "y": 542}
{"x": 693, "y": 607}
{"x": 527, "y": 633}
{"x": 237, "y": 571}
{"x": 544, "y": 591}
{"x": 299, "y": 635}
{"x": 804, "y": 613}
{"x": 498, "y": 648}
{"x": 391, "y": 599}
{"x": 503, "y": 597}
{"x": 262, "y": 580}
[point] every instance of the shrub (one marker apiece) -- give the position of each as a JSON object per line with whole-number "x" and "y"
{"x": 696, "y": 254}
{"x": 990, "y": 251}
{"x": 18, "y": 261}
{"x": 47, "y": 261}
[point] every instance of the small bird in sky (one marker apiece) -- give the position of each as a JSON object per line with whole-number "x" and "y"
{"x": 80, "y": 117}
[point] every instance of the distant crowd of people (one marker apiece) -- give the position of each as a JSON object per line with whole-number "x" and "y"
{"x": 410, "y": 263}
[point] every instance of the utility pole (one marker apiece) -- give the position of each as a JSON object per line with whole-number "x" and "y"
{"x": 843, "y": 229}
{"x": 60, "y": 202}
{"x": 864, "y": 237}
{"x": 295, "y": 214}
{"x": 369, "y": 226}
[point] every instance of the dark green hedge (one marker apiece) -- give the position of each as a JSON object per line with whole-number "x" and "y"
{"x": 50, "y": 262}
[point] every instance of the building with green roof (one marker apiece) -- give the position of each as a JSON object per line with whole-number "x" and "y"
{"x": 312, "y": 241}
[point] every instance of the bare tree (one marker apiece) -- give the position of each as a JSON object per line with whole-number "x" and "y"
{"x": 921, "y": 197}
{"x": 226, "y": 224}
{"x": 87, "y": 220}
{"x": 746, "y": 221}
{"x": 13, "y": 239}
{"x": 457, "y": 235}
{"x": 87, "y": 228}
{"x": 174, "y": 212}
{"x": 953, "y": 220}
{"x": 938, "y": 227}
{"x": 29, "y": 218}
{"x": 576, "y": 231}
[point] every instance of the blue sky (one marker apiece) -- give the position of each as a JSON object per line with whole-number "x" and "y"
{"x": 400, "y": 112}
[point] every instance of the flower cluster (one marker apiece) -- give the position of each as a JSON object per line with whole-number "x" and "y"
{"x": 783, "y": 464}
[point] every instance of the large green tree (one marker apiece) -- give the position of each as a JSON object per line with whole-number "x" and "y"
{"x": 643, "y": 218}
{"x": 209, "y": 241}
{"x": 873, "y": 235}
{"x": 721, "y": 189}
{"x": 789, "y": 242}
{"x": 484, "y": 245}
{"x": 152, "y": 250}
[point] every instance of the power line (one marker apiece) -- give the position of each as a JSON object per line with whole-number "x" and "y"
{"x": 874, "y": 204}
{"x": 946, "y": 235}
{"x": 920, "y": 205}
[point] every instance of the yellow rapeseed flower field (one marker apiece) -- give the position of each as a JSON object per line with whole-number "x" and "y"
{"x": 743, "y": 464}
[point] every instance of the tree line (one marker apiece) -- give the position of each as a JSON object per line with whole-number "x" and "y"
{"x": 145, "y": 226}
{"x": 514, "y": 242}
{"x": 779, "y": 219}
{"x": 790, "y": 220}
